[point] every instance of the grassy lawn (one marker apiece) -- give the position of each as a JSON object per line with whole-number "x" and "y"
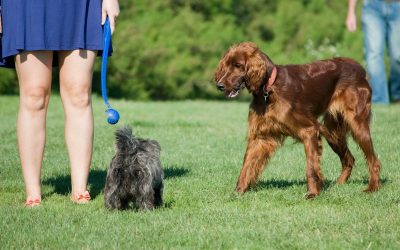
{"x": 202, "y": 149}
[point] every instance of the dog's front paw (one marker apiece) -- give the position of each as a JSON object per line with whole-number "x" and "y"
{"x": 309, "y": 195}
{"x": 235, "y": 195}
{"x": 371, "y": 189}
{"x": 240, "y": 190}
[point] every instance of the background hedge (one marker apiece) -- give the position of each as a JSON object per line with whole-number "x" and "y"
{"x": 169, "y": 49}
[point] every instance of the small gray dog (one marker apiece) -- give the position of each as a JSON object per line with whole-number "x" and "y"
{"x": 135, "y": 174}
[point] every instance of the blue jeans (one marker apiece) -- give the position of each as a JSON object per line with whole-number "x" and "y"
{"x": 381, "y": 25}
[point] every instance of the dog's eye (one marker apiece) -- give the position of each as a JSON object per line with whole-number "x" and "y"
{"x": 237, "y": 65}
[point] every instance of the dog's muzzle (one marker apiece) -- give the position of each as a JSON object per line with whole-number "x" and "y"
{"x": 236, "y": 90}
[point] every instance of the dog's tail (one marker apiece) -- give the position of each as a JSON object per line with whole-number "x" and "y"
{"x": 125, "y": 141}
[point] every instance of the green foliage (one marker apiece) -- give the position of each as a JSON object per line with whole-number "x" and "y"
{"x": 8, "y": 82}
{"x": 169, "y": 49}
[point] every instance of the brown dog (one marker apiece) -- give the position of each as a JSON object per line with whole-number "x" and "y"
{"x": 289, "y": 99}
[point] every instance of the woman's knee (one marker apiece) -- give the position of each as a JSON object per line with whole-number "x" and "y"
{"x": 35, "y": 99}
{"x": 77, "y": 95}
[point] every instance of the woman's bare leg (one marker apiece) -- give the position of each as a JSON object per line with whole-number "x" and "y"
{"x": 34, "y": 76}
{"x": 76, "y": 70}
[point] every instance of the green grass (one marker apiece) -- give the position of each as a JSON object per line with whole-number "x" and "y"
{"x": 202, "y": 149}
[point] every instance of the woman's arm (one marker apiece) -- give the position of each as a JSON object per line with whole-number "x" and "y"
{"x": 110, "y": 8}
{"x": 351, "y": 20}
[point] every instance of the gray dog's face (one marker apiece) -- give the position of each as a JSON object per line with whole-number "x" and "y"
{"x": 243, "y": 65}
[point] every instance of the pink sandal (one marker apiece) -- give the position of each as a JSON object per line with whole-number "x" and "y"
{"x": 81, "y": 198}
{"x": 32, "y": 203}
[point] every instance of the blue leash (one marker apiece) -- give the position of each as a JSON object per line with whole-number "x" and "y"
{"x": 112, "y": 114}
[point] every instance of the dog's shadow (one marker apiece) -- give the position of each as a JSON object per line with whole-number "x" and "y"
{"x": 278, "y": 184}
{"x": 97, "y": 179}
{"x": 284, "y": 184}
{"x": 175, "y": 172}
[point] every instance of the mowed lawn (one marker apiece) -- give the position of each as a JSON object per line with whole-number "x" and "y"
{"x": 203, "y": 143}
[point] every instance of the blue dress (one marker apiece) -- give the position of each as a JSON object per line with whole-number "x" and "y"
{"x": 49, "y": 25}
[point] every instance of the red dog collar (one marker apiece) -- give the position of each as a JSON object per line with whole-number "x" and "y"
{"x": 271, "y": 81}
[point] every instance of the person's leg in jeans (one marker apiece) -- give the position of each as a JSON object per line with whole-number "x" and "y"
{"x": 374, "y": 42}
{"x": 394, "y": 50}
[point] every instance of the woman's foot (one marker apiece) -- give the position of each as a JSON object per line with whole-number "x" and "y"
{"x": 33, "y": 202}
{"x": 81, "y": 198}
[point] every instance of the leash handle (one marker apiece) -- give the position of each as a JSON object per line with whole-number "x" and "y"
{"x": 112, "y": 114}
{"x": 104, "y": 60}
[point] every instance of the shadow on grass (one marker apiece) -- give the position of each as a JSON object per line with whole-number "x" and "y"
{"x": 283, "y": 184}
{"x": 280, "y": 184}
{"x": 365, "y": 181}
{"x": 97, "y": 180}
{"x": 62, "y": 184}
{"x": 174, "y": 172}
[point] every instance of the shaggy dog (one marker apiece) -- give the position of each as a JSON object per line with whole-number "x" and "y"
{"x": 288, "y": 101}
{"x": 135, "y": 173}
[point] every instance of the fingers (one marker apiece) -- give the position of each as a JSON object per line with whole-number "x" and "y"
{"x": 111, "y": 9}
{"x": 103, "y": 16}
{"x": 351, "y": 26}
{"x": 113, "y": 20}
{"x": 112, "y": 23}
{"x": 351, "y": 22}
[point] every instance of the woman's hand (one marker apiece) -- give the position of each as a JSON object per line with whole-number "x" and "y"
{"x": 351, "y": 22}
{"x": 110, "y": 8}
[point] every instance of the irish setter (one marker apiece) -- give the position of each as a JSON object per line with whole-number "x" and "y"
{"x": 288, "y": 101}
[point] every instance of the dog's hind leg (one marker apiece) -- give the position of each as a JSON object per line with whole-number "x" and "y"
{"x": 334, "y": 131}
{"x": 358, "y": 119}
{"x": 258, "y": 151}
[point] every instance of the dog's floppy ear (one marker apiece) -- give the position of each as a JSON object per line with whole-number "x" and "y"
{"x": 219, "y": 72}
{"x": 256, "y": 67}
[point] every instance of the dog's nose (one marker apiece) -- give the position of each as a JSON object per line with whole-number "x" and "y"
{"x": 220, "y": 86}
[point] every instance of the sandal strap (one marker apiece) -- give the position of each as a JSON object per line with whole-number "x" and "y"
{"x": 84, "y": 196}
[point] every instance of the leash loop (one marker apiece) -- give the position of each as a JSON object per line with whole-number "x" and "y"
{"x": 112, "y": 114}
